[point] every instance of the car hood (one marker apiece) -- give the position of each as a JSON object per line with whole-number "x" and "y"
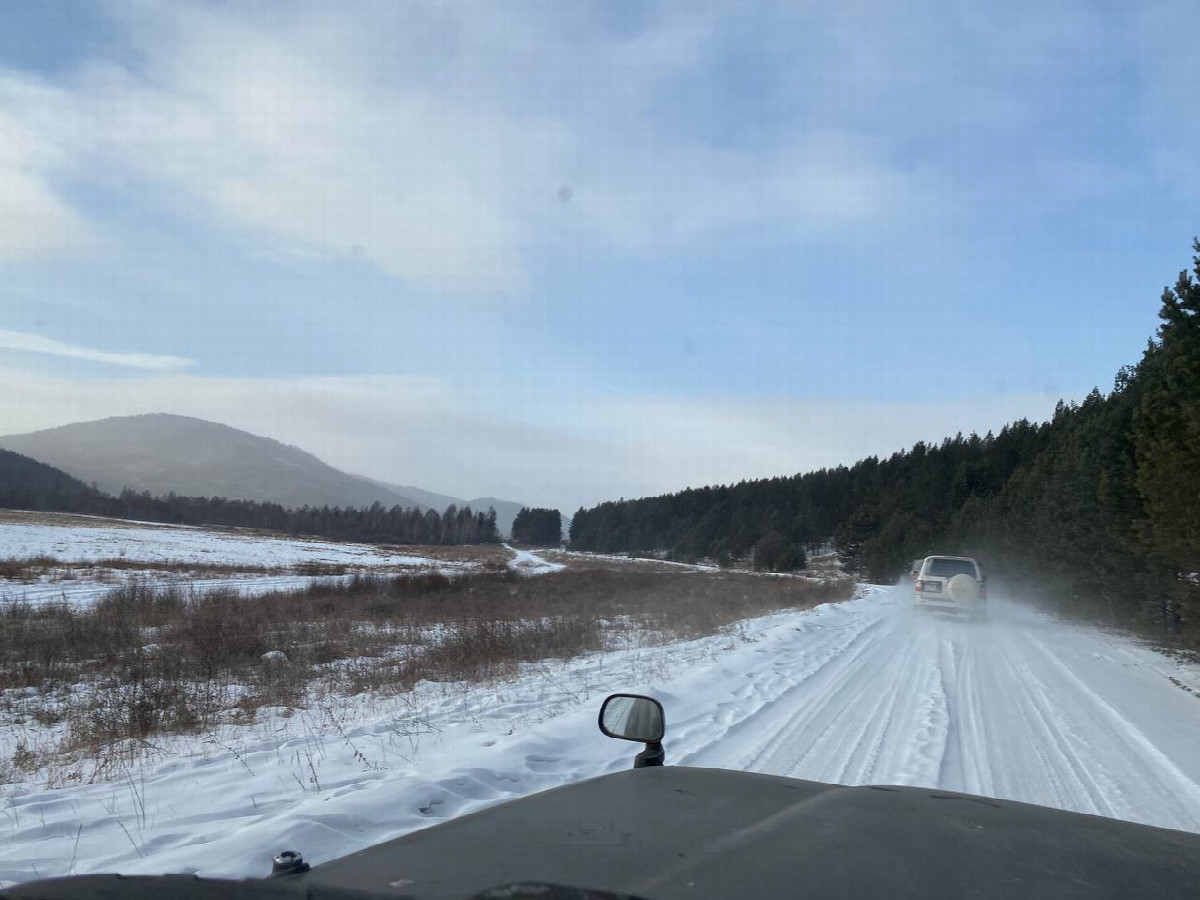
{"x": 677, "y": 832}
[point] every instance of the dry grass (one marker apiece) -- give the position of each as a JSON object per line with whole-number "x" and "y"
{"x": 27, "y": 569}
{"x": 148, "y": 660}
{"x": 30, "y": 569}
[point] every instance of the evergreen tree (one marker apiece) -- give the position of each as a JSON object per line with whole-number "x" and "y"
{"x": 1096, "y": 512}
{"x": 537, "y": 526}
{"x": 1167, "y": 445}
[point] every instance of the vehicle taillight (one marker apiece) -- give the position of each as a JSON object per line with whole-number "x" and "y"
{"x": 919, "y": 585}
{"x": 983, "y": 591}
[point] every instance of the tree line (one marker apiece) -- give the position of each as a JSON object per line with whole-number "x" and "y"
{"x": 31, "y": 485}
{"x": 535, "y": 525}
{"x": 1096, "y": 512}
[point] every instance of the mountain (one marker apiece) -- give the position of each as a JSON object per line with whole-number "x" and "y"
{"x": 506, "y": 510}
{"x": 424, "y": 499}
{"x": 162, "y": 453}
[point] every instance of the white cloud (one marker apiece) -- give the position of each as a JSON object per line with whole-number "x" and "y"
{"x": 433, "y": 141}
{"x": 432, "y": 434}
{"x": 34, "y": 221}
{"x": 36, "y": 343}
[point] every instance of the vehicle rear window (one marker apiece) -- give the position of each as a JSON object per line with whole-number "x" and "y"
{"x": 948, "y": 568}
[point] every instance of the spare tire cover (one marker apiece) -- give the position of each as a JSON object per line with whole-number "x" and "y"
{"x": 962, "y": 589}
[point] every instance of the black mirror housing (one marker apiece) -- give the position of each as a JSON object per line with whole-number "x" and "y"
{"x": 634, "y": 717}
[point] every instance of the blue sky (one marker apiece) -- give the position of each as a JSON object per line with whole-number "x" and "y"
{"x": 563, "y": 253}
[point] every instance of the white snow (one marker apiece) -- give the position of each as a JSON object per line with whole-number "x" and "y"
{"x": 862, "y": 692}
{"x": 82, "y": 591}
{"x": 86, "y": 539}
{"x": 184, "y": 544}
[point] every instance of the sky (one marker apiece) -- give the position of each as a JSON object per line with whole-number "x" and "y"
{"x": 564, "y": 253}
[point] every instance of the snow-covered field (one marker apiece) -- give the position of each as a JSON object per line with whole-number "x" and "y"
{"x": 867, "y": 691}
{"x": 156, "y": 543}
{"x": 80, "y": 539}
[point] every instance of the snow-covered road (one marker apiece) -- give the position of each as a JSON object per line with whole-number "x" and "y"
{"x": 1023, "y": 707}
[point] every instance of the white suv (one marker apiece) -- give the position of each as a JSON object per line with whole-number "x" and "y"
{"x": 953, "y": 583}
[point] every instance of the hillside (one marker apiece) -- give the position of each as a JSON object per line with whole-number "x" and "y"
{"x": 163, "y": 453}
{"x": 29, "y": 484}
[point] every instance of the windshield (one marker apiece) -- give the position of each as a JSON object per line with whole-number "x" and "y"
{"x": 383, "y": 385}
{"x": 947, "y": 568}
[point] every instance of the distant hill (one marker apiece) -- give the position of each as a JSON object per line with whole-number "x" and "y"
{"x": 506, "y": 510}
{"x": 163, "y": 453}
{"x": 29, "y": 484}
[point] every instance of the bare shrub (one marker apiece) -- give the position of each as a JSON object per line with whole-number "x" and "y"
{"x": 146, "y": 660}
{"x": 26, "y": 568}
{"x": 320, "y": 567}
{"x": 29, "y": 568}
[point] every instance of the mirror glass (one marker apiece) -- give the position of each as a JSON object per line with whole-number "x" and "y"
{"x": 633, "y": 718}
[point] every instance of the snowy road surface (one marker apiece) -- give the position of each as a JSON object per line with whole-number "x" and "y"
{"x": 1021, "y": 708}
{"x": 863, "y": 692}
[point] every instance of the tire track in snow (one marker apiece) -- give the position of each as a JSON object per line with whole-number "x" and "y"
{"x": 1067, "y": 774}
{"x": 749, "y": 738}
{"x": 1171, "y": 785}
{"x": 851, "y": 717}
{"x": 1007, "y": 709}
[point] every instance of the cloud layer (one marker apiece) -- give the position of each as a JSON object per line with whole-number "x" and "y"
{"x": 439, "y": 143}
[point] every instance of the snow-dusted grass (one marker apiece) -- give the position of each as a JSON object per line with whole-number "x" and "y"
{"x": 1024, "y": 708}
{"x": 98, "y": 685}
{"x": 154, "y": 543}
{"x": 50, "y": 557}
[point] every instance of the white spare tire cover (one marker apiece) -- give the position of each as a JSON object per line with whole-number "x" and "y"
{"x": 962, "y": 589}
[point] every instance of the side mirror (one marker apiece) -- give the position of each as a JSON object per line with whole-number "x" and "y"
{"x": 632, "y": 717}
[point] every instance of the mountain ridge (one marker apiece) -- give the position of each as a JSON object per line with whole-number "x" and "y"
{"x": 506, "y": 510}
{"x": 164, "y": 453}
